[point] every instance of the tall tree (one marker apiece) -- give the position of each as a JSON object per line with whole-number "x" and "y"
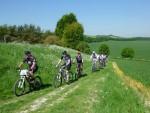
{"x": 63, "y": 22}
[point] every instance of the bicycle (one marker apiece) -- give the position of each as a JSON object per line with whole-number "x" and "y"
{"x": 25, "y": 81}
{"x": 62, "y": 76}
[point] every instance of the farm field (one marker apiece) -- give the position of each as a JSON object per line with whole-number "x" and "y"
{"x": 99, "y": 92}
{"x": 141, "y": 48}
{"x": 138, "y": 70}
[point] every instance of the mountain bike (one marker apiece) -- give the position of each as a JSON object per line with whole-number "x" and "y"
{"x": 62, "y": 76}
{"x": 26, "y": 81}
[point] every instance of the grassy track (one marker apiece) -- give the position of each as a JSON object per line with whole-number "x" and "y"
{"x": 98, "y": 92}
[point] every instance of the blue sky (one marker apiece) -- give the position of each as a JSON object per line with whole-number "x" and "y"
{"x": 117, "y": 17}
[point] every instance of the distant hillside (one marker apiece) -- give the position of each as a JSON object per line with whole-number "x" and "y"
{"x": 101, "y": 38}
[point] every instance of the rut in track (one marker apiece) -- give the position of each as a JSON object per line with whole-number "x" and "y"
{"x": 136, "y": 85}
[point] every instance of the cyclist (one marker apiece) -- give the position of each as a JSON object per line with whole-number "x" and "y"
{"x": 66, "y": 58}
{"x": 31, "y": 61}
{"x": 79, "y": 60}
{"x": 102, "y": 59}
{"x": 94, "y": 60}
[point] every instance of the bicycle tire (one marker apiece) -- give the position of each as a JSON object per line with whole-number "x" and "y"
{"x": 37, "y": 83}
{"x": 57, "y": 80}
{"x": 70, "y": 78}
{"x": 19, "y": 90}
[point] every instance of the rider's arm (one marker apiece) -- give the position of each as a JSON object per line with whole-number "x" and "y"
{"x": 20, "y": 65}
{"x": 33, "y": 65}
{"x": 68, "y": 62}
{"x": 91, "y": 57}
{"x": 58, "y": 62}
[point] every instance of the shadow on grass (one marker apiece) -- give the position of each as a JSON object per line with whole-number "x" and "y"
{"x": 44, "y": 86}
{"x": 77, "y": 78}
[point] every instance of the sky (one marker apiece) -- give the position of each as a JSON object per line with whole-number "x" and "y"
{"x": 127, "y": 18}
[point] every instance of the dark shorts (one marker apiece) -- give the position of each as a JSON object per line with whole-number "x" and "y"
{"x": 79, "y": 65}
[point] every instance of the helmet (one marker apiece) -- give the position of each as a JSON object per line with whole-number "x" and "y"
{"x": 64, "y": 52}
{"x": 78, "y": 52}
{"x": 27, "y": 52}
{"x": 93, "y": 52}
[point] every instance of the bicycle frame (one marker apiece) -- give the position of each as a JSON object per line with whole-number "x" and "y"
{"x": 23, "y": 75}
{"x": 63, "y": 73}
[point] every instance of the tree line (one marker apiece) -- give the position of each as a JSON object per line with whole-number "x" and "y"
{"x": 29, "y": 33}
{"x": 68, "y": 32}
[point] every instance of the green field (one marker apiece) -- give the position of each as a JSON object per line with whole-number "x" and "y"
{"x": 99, "y": 92}
{"x": 138, "y": 70}
{"x": 141, "y": 48}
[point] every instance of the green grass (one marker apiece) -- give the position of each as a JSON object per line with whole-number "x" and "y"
{"x": 116, "y": 97}
{"x": 138, "y": 70}
{"x": 141, "y": 48}
{"x": 99, "y": 92}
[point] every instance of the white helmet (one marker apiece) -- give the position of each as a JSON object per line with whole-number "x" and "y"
{"x": 93, "y": 52}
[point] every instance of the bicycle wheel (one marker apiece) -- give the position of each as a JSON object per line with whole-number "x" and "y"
{"x": 37, "y": 83}
{"x": 57, "y": 80}
{"x": 19, "y": 87}
{"x": 70, "y": 77}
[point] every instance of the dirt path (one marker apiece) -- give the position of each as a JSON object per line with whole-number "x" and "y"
{"x": 136, "y": 85}
{"x": 38, "y": 103}
{"x": 56, "y": 97}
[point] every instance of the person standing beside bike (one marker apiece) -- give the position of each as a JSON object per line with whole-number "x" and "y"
{"x": 79, "y": 61}
{"x": 66, "y": 58}
{"x": 31, "y": 61}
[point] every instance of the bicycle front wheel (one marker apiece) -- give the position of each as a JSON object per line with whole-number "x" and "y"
{"x": 37, "y": 83}
{"x": 71, "y": 78}
{"x": 57, "y": 80}
{"x": 19, "y": 87}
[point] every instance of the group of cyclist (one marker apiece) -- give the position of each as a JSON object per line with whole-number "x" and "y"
{"x": 65, "y": 58}
{"x": 100, "y": 58}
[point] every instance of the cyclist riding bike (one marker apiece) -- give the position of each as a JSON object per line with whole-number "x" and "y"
{"x": 31, "y": 61}
{"x": 94, "y": 56}
{"x": 66, "y": 59}
{"x": 79, "y": 61}
{"x": 94, "y": 60}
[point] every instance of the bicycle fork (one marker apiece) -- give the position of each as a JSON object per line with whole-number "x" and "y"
{"x": 21, "y": 83}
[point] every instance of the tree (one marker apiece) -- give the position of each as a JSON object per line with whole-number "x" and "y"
{"x": 127, "y": 53}
{"x": 83, "y": 47}
{"x": 63, "y": 22}
{"x": 104, "y": 49}
{"x": 73, "y": 34}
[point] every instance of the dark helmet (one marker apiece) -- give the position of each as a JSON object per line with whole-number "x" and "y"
{"x": 27, "y": 52}
{"x": 64, "y": 52}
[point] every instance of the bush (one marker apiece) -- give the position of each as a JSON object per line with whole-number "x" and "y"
{"x": 127, "y": 53}
{"x": 104, "y": 49}
{"x": 83, "y": 47}
{"x": 51, "y": 40}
